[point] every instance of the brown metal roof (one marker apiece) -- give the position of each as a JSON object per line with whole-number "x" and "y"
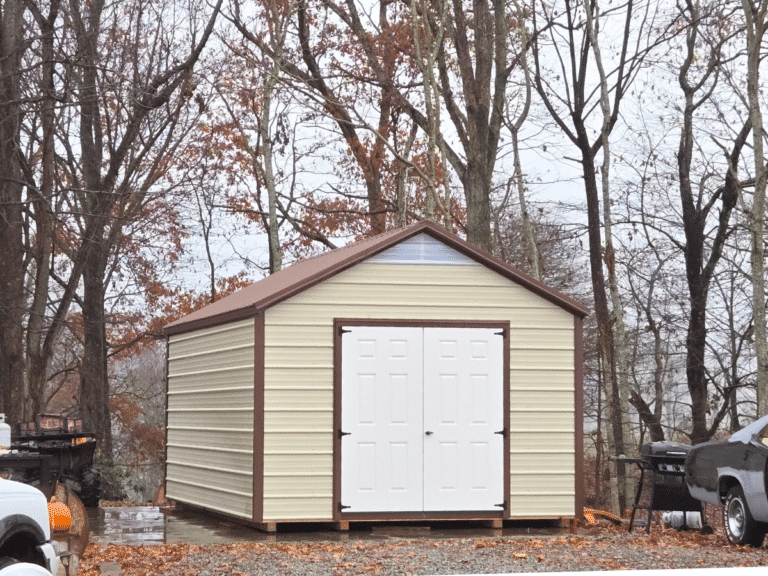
{"x": 245, "y": 303}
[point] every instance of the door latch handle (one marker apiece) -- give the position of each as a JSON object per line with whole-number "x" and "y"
{"x": 429, "y": 432}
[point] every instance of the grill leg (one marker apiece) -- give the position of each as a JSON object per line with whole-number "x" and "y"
{"x": 638, "y": 493}
{"x": 650, "y": 504}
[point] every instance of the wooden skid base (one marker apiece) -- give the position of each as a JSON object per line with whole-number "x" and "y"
{"x": 408, "y": 524}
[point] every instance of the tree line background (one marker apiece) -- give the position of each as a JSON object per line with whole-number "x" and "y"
{"x": 156, "y": 155}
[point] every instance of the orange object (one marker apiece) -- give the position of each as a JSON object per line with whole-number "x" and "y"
{"x": 591, "y": 515}
{"x": 59, "y": 515}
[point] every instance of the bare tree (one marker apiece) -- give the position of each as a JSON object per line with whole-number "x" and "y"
{"x": 702, "y": 252}
{"x": 755, "y": 19}
{"x": 13, "y": 45}
{"x": 568, "y": 96}
{"x": 136, "y": 88}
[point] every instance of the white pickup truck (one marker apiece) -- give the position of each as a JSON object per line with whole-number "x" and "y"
{"x": 26, "y": 547}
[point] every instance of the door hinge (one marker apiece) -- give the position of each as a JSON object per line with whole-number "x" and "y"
{"x": 502, "y": 432}
{"x": 342, "y": 507}
{"x": 343, "y": 330}
{"x": 502, "y": 505}
{"x": 502, "y": 333}
{"x": 342, "y": 433}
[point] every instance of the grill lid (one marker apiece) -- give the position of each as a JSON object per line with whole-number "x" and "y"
{"x": 655, "y": 451}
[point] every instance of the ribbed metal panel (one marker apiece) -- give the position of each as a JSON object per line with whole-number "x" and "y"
{"x": 296, "y": 464}
{"x": 296, "y": 443}
{"x": 317, "y": 420}
{"x": 229, "y": 356}
{"x": 212, "y": 398}
{"x": 299, "y": 378}
{"x": 311, "y": 484}
{"x": 210, "y": 418}
{"x": 538, "y": 461}
{"x": 541, "y": 505}
{"x": 553, "y": 339}
{"x": 208, "y": 497}
{"x": 533, "y": 379}
{"x": 234, "y": 418}
{"x": 534, "y": 399}
{"x": 212, "y": 379}
{"x": 224, "y": 437}
{"x": 228, "y": 458}
{"x": 301, "y": 398}
{"x": 312, "y": 507}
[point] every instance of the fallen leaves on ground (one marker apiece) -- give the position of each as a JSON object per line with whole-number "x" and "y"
{"x": 603, "y": 547}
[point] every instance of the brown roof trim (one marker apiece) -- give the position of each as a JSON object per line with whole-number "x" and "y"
{"x": 208, "y": 321}
{"x": 302, "y": 275}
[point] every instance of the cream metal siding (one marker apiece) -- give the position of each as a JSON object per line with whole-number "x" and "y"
{"x": 210, "y": 418}
{"x": 298, "y": 456}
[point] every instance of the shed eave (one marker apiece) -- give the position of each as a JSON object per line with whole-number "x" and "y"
{"x": 211, "y": 321}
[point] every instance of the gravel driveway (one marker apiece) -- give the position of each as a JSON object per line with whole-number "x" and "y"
{"x": 599, "y": 548}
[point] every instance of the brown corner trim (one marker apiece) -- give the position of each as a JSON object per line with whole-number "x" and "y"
{"x": 578, "y": 385}
{"x": 258, "y": 418}
{"x": 166, "y": 384}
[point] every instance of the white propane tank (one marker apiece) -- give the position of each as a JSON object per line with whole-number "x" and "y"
{"x": 5, "y": 434}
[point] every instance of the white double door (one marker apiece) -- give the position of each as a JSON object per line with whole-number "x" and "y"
{"x": 421, "y": 419}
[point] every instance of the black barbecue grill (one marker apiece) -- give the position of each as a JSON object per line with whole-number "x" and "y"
{"x": 664, "y": 463}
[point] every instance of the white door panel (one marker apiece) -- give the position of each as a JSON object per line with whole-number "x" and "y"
{"x": 463, "y": 408}
{"x": 381, "y": 457}
{"x": 421, "y": 407}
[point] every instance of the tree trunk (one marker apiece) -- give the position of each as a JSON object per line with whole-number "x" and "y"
{"x": 531, "y": 247}
{"x": 695, "y": 212}
{"x": 621, "y": 374}
{"x": 576, "y": 95}
{"x": 12, "y": 45}
{"x": 605, "y": 335}
{"x": 426, "y": 53}
{"x": 273, "y": 227}
{"x": 477, "y": 193}
{"x": 42, "y": 249}
{"x": 370, "y": 164}
{"x": 94, "y": 375}
{"x": 755, "y": 24}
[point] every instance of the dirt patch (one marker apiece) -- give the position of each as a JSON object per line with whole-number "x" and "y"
{"x": 603, "y": 547}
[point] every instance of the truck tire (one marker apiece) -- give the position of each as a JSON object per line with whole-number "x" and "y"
{"x": 90, "y": 488}
{"x": 740, "y": 527}
{"x": 11, "y": 567}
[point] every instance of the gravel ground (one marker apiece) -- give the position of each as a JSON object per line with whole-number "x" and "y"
{"x": 600, "y": 548}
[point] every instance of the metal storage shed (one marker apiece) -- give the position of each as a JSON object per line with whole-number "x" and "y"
{"x": 408, "y": 376}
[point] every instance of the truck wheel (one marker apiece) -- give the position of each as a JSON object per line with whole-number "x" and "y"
{"x": 740, "y": 528}
{"x": 11, "y": 567}
{"x": 90, "y": 487}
